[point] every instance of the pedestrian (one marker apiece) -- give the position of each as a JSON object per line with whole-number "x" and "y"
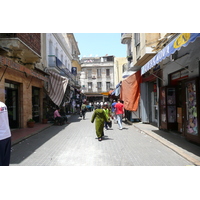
{"x": 119, "y": 112}
{"x": 5, "y": 136}
{"x": 108, "y": 114}
{"x": 57, "y": 116}
{"x": 113, "y": 110}
{"x": 100, "y": 117}
{"x": 83, "y": 109}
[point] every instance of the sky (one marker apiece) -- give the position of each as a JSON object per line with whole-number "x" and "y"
{"x": 100, "y": 44}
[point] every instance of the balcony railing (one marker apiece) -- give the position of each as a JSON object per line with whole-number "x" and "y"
{"x": 54, "y": 62}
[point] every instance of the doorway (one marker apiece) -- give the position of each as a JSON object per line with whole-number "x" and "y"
{"x": 36, "y": 104}
{"x": 11, "y": 100}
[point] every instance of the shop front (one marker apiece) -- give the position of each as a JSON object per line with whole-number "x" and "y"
{"x": 178, "y": 108}
{"x": 18, "y": 85}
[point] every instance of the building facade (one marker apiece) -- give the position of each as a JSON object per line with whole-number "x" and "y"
{"x": 170, "y": 82}
{"x": 97, "y": 77}
{"x": 62, "y": 57}
{"x": 140, "y": 48}
{"x": 179, "y": 66}
{"x": 21, "y": 82}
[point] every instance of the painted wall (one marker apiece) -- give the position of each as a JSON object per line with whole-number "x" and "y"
{"x": 58, "y": 44}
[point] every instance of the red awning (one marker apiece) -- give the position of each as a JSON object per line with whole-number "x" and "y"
{"x": 130, "y": 91}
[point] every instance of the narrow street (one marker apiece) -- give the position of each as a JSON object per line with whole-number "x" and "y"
{"x": 76, "y": 144}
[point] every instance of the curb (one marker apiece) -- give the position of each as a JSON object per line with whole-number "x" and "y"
{"x": 172, "y": 146}
{"x": 27, "y": 136}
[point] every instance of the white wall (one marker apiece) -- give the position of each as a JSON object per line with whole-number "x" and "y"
{"x": 60, "y": 42}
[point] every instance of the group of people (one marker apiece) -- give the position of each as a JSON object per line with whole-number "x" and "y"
{"x": 102, "y": 116}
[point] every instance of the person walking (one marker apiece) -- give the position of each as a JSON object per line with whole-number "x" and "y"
{"x": 108, "y": 115}
{"x": 100, "y": 117}
{"x": 119, "y": 113}
{"x": 83, "y": 109}
{"x": 114, "y": 111}
{"x": 5, "y": 136}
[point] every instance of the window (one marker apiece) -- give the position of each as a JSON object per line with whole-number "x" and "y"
{"x": 98, "y": 72}
{"x": 137, "y": 38}
{"x": 137, "y": 44}
{"x": 107, "y": 72}
{"x": 50, "y": 48}
{"x": 107, "y": 86}
{"x": 99, "y": 85}
{"x": 89, "y": 73}
{"x": 89, "y": 85}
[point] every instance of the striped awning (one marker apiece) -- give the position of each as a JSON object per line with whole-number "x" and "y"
{"x": 56, "y": 87}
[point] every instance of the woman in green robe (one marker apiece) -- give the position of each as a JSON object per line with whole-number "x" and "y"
{"x": 100, "y": 117}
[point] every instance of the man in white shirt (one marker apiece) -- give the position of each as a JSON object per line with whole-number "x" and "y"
{"x": 5, "y": 136}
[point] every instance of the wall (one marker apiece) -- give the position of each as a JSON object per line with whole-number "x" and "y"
{"x": 118, "y": 69}
{"x": 59, "y": 42}
{"x": 190, "y": 60}
{"x": 25, "y": 92}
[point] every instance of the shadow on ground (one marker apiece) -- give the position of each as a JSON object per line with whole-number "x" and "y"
{"x": 28, "y": 146}
{"x": 179, "y": 140}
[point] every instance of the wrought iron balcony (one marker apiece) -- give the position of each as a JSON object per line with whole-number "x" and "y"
{"x": 55, "y": 63}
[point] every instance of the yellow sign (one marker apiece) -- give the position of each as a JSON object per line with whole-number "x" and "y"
{"x": 182, "y": 39}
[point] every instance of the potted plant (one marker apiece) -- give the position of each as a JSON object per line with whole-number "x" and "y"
{"x": 44, "y": 120}
{"x": 30, "y": 123}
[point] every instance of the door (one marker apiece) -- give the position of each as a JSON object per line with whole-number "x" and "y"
{"x": 11, "y": 97}
{"x": 168, "y": 107}
{"x": 154, "y": 107}
{"x": 191, "y": 110}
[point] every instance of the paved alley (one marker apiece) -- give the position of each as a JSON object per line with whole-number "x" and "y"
{"x": 76, "y": 144}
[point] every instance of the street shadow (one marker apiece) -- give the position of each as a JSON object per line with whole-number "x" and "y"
{"x": 180, "y": 141}
{"x": 26, "y": 147}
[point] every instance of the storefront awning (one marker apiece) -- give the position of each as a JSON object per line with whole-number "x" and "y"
{"x": 56, "y": 87}
{"x": 130, "y": 91}
{"x": 181, "y": 41}
{"x": 116, "y": 92}
{"x": 105, "y": 93}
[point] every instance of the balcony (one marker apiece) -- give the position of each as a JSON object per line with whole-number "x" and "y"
{"x": 126, "y": 38}
{"x": 23, "y": 47}
{"x": 56, "y": 65}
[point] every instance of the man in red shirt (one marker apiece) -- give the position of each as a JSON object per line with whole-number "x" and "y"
{"x": 119, "y": 113}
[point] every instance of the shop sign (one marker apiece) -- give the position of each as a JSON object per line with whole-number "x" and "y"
{"x": 181, "y": 40}
{"x": 179, "y": 75}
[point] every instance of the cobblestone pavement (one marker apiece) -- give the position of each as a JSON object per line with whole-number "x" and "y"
{"x": 76, "y": 144}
